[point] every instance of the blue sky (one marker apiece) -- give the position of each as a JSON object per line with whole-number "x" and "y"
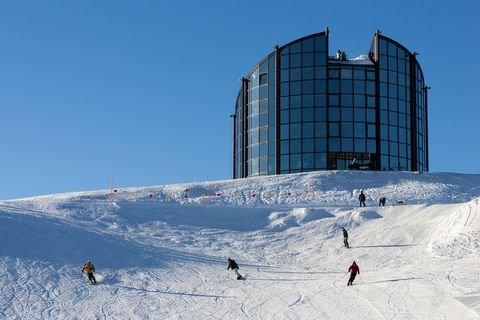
{"x": 141, "y": 91}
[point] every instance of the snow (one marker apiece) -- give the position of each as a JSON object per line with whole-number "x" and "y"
{"x": 362, "y": 59}
{"x": 161, "y": 252}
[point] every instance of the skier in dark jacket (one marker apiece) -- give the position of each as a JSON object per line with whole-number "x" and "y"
{"x": 234, "y": 266}
{"x": 89, "y": 268}
{"x": 362, "y": 199}
{"x": 345, "y": 238}
{"x": 381, "y": 201}
{"x": 354, "y": 269}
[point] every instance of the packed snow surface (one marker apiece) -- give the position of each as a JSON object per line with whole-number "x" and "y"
{"x": 161, "y": 252}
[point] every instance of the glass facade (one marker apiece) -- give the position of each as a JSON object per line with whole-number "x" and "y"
{"x": 301, "y": 110}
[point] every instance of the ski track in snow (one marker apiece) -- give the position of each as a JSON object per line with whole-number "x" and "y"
{"x": 164, "y": 256}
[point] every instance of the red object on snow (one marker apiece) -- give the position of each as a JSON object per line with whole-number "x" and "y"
{"x": 115, "y": 190}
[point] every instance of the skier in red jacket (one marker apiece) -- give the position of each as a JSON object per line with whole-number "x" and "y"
{"x": 354, "y": 269}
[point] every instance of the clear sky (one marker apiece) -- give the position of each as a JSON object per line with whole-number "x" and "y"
{"x": 141, "y": 91}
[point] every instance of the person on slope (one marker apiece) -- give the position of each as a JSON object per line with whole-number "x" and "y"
{"x": 234, "y": 266}
{"x": 354, "y": 269}
{"x": 362, "y": 199}
{"x": 345, "y": 238}
{"x": 89, "y": 268}
{"x": 381, "y": 201}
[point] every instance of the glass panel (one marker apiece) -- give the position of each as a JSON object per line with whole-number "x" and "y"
{"x": 308, "y": 160}
{"x": 334, "y": 114}
{"x": 320, "y": 100}
{"x": 295, "y": 131}
{"x": 333, "y": 100}
{"x": 347, "y": 114}
{"x": 284, "y": 162}
{"x": 347, "y": 145}
{"x": 334, "y": 86}
{"x": 308, "y": 115}
{"x": 320, "y": 86}
{"x": 359, "y": 74}
{"x": 334, "y": 145}
{"x": 346, "y": 73}
{"x": 359, "y": 87}
{"x": 370, "y": 87}
{"x": 295, "y": 102}
{"x": 295, "y": 74}
{"x": 334, "y": 129}
{"x": 308, "y": 130}
{"x": 347, "y": 129}
{"x": 347, "y": 86}
{"x": 359, "y": 130}
{"x": 307, "y": 59}
{"x": 320, "y": 145}
{"x": 359, "y": 115}
{"x": 360, "y": 145}
{"x": 307, "y": 86}
{"x": 295, "y": 115}
{"x": 296, "y": 146}
{"x": 371, "y": 146}
{"x": 333, "y": 73}
{"x": 295, "y": 161}
{"x": 320, "y": 161}
{"x": 307, "y": 45}
{"x": 371, "y": 131}
{"x": 371, "y": 115}
{"x": 308, "y": 101}
{"x": 284, "y": 146}
{"x": 359, "y": 101}
{"x": 295, "y": 60}
{"x": 295, "y": 87}
{"x": 308, "y": 145}
{"x": 307, "y": 73}
{"x": 320, "y": 43}
{"x": 347, "y": 100}
{"x": 320, "y": 129}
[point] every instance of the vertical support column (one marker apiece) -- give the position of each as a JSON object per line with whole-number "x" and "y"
{"x": 277, "y": 109}
{"x": 377, "y": 101}
{"x": 413, "y": 111}
{"x": 245, "y": 128}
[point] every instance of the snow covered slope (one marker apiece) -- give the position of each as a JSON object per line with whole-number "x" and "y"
{"x": 160, "y": 252}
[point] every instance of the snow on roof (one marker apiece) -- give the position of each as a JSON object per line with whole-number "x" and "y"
{"x": 362, "y": 59}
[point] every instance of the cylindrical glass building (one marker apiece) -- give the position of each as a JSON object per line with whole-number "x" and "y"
{"x": 302, "y": 110}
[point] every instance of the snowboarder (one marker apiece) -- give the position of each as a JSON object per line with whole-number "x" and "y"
{"x": 234, "y": 266}
{"x": 345, "y": 238}
{"x": 381, "y": 201}
{"x": 362, "y": 199}
{"x": 89, "y": 268}
{"x": 354, "y": 269}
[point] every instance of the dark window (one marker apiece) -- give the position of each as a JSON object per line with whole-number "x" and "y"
{"x": 296, "y": 146}
{"x": 295, "y": 60}
{"x": 334, "y": 129}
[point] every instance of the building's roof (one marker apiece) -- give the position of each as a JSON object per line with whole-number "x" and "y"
{"x": 360, "y": 60}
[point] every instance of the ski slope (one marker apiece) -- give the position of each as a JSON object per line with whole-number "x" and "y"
{"x": 160, "y": 252}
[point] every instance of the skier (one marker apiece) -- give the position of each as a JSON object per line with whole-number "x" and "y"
{"x": 89, "y": 268}
{"x": 354, "y": 269}
{"x": 345, "y": 238}
{"x": 362, "y": 199}
{"x": 381, "y": 201}
{"x": 234, "y": 266}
